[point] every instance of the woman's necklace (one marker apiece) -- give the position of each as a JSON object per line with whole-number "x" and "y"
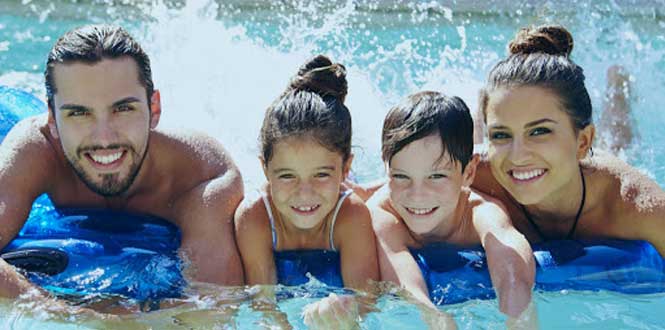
{"x": 577, "y": 216}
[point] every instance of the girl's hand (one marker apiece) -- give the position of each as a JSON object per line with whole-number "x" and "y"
{"x": 333, "y": 312}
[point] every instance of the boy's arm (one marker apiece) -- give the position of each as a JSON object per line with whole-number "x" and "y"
{"x": 396, "y": 263}
{"x": 509, "y": 256}
{"x": 26, "y": 169}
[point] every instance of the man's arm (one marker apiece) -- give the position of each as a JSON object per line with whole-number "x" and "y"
{"x": 26, "y": 168}
{"x": 205, "y": 217}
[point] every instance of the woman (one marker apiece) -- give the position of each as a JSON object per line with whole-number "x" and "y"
{"x": 537, "y": 113}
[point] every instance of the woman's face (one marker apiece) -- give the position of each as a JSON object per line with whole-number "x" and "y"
{"x": 533, "y": 149}
{"x": 305, "y": 180}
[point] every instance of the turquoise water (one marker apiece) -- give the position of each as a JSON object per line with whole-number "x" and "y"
{"x": 216, "y": 60}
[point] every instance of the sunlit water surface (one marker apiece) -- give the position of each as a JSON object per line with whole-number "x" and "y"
{"x": 219, "y": 65}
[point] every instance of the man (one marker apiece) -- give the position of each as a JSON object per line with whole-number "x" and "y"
{"x": 98, "y": 147}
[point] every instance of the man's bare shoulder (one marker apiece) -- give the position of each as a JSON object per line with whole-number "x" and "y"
{"x": 195, "y": 153}
{"x": 29, "y": 140}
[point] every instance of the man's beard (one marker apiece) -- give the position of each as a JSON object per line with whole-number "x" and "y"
{"x": 111, "y": 185}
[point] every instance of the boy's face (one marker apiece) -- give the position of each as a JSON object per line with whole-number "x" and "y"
{"x": 425, "y": 187}
{"x": 102, "y": 120}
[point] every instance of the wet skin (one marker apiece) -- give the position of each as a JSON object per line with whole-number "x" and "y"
{"x": 99, "y": 148}
{"x": 428, "y": 200}
{"x": 535, "y": 157}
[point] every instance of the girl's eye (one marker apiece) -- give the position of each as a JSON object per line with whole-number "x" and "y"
{"x": 437, "y": 176}
{"x": 540, "y": 131}
{"x": 322, "y": 175}
{"x": 286, "y": 176}
{"x": 399, "y": 176}
{"x": 499, "y": 136}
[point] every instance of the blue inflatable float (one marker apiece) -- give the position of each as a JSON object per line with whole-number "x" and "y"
{"x": 81, "y": 252}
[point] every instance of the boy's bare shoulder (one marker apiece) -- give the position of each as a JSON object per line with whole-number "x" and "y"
{"x": 486, "y": 208}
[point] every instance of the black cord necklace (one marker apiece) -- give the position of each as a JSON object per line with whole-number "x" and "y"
{"x": 577, "y": 216}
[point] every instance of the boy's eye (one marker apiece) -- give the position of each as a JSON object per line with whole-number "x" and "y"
{"x": 499, "y": 136}
{"x": 540, "y": 131}
{"x": 322, "y": 175}
{"x": 286, "y": 176}
{"x": 437, "y": 176}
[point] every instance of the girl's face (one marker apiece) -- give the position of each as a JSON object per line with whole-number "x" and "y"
{"x": 425, "y": 187}
{"x": 533, "y": 148}
{"x": 305, "y": 180}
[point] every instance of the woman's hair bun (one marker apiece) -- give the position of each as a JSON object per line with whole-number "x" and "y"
{"x": 549, "y": 39}
{"x": 320, "y": 75}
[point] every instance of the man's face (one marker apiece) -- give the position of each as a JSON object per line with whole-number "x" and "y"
{"x": 102, "y": 119}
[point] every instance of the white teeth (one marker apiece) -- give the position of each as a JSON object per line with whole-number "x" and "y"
{"x": 108, "y": 159}
{"x": 305, "y": 208}
{"x": 420, "y": 211}
{"x": 526, "y": 175}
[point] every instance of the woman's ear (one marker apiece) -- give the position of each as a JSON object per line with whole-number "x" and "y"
{"x": 469, "y": 172}
{"x": 585, "y": 140}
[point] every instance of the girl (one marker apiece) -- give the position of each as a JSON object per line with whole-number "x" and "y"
{"x": 427, "y": 148}
{"x": 306, "y": 154}
{"x": 538, "y": 116}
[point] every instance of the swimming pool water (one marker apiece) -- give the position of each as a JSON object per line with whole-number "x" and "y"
{"x": 215, "y": 59}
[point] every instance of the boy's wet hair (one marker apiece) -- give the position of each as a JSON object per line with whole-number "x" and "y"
{"x": 312, "y": 106}
{"x": 540, "y": 57}
{"x": 91, "y": 44}
{"x": 427, "y": 113}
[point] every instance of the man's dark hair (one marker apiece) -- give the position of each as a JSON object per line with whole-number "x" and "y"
{"x": 91, "y": 44}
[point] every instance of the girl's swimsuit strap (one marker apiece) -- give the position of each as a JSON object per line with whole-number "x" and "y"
{"x": 345, "y": 194}
{"x": 266, "y": 202}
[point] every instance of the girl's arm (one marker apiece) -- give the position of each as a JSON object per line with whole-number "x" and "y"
{"x": 509, "y": 255}
{"x": 254, "y": 239}
{"x": 355, "y": 241}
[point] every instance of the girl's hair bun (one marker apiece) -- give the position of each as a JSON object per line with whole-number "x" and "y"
{"x": 321, "y": 76}
{"x": 549, "y": 39}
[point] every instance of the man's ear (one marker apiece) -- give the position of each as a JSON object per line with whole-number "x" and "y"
{"x": 155, "y": 108}
{"x": 469, "y": 172}
{"x": 585, "y": 140}
{"x": 52, "y": 125}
